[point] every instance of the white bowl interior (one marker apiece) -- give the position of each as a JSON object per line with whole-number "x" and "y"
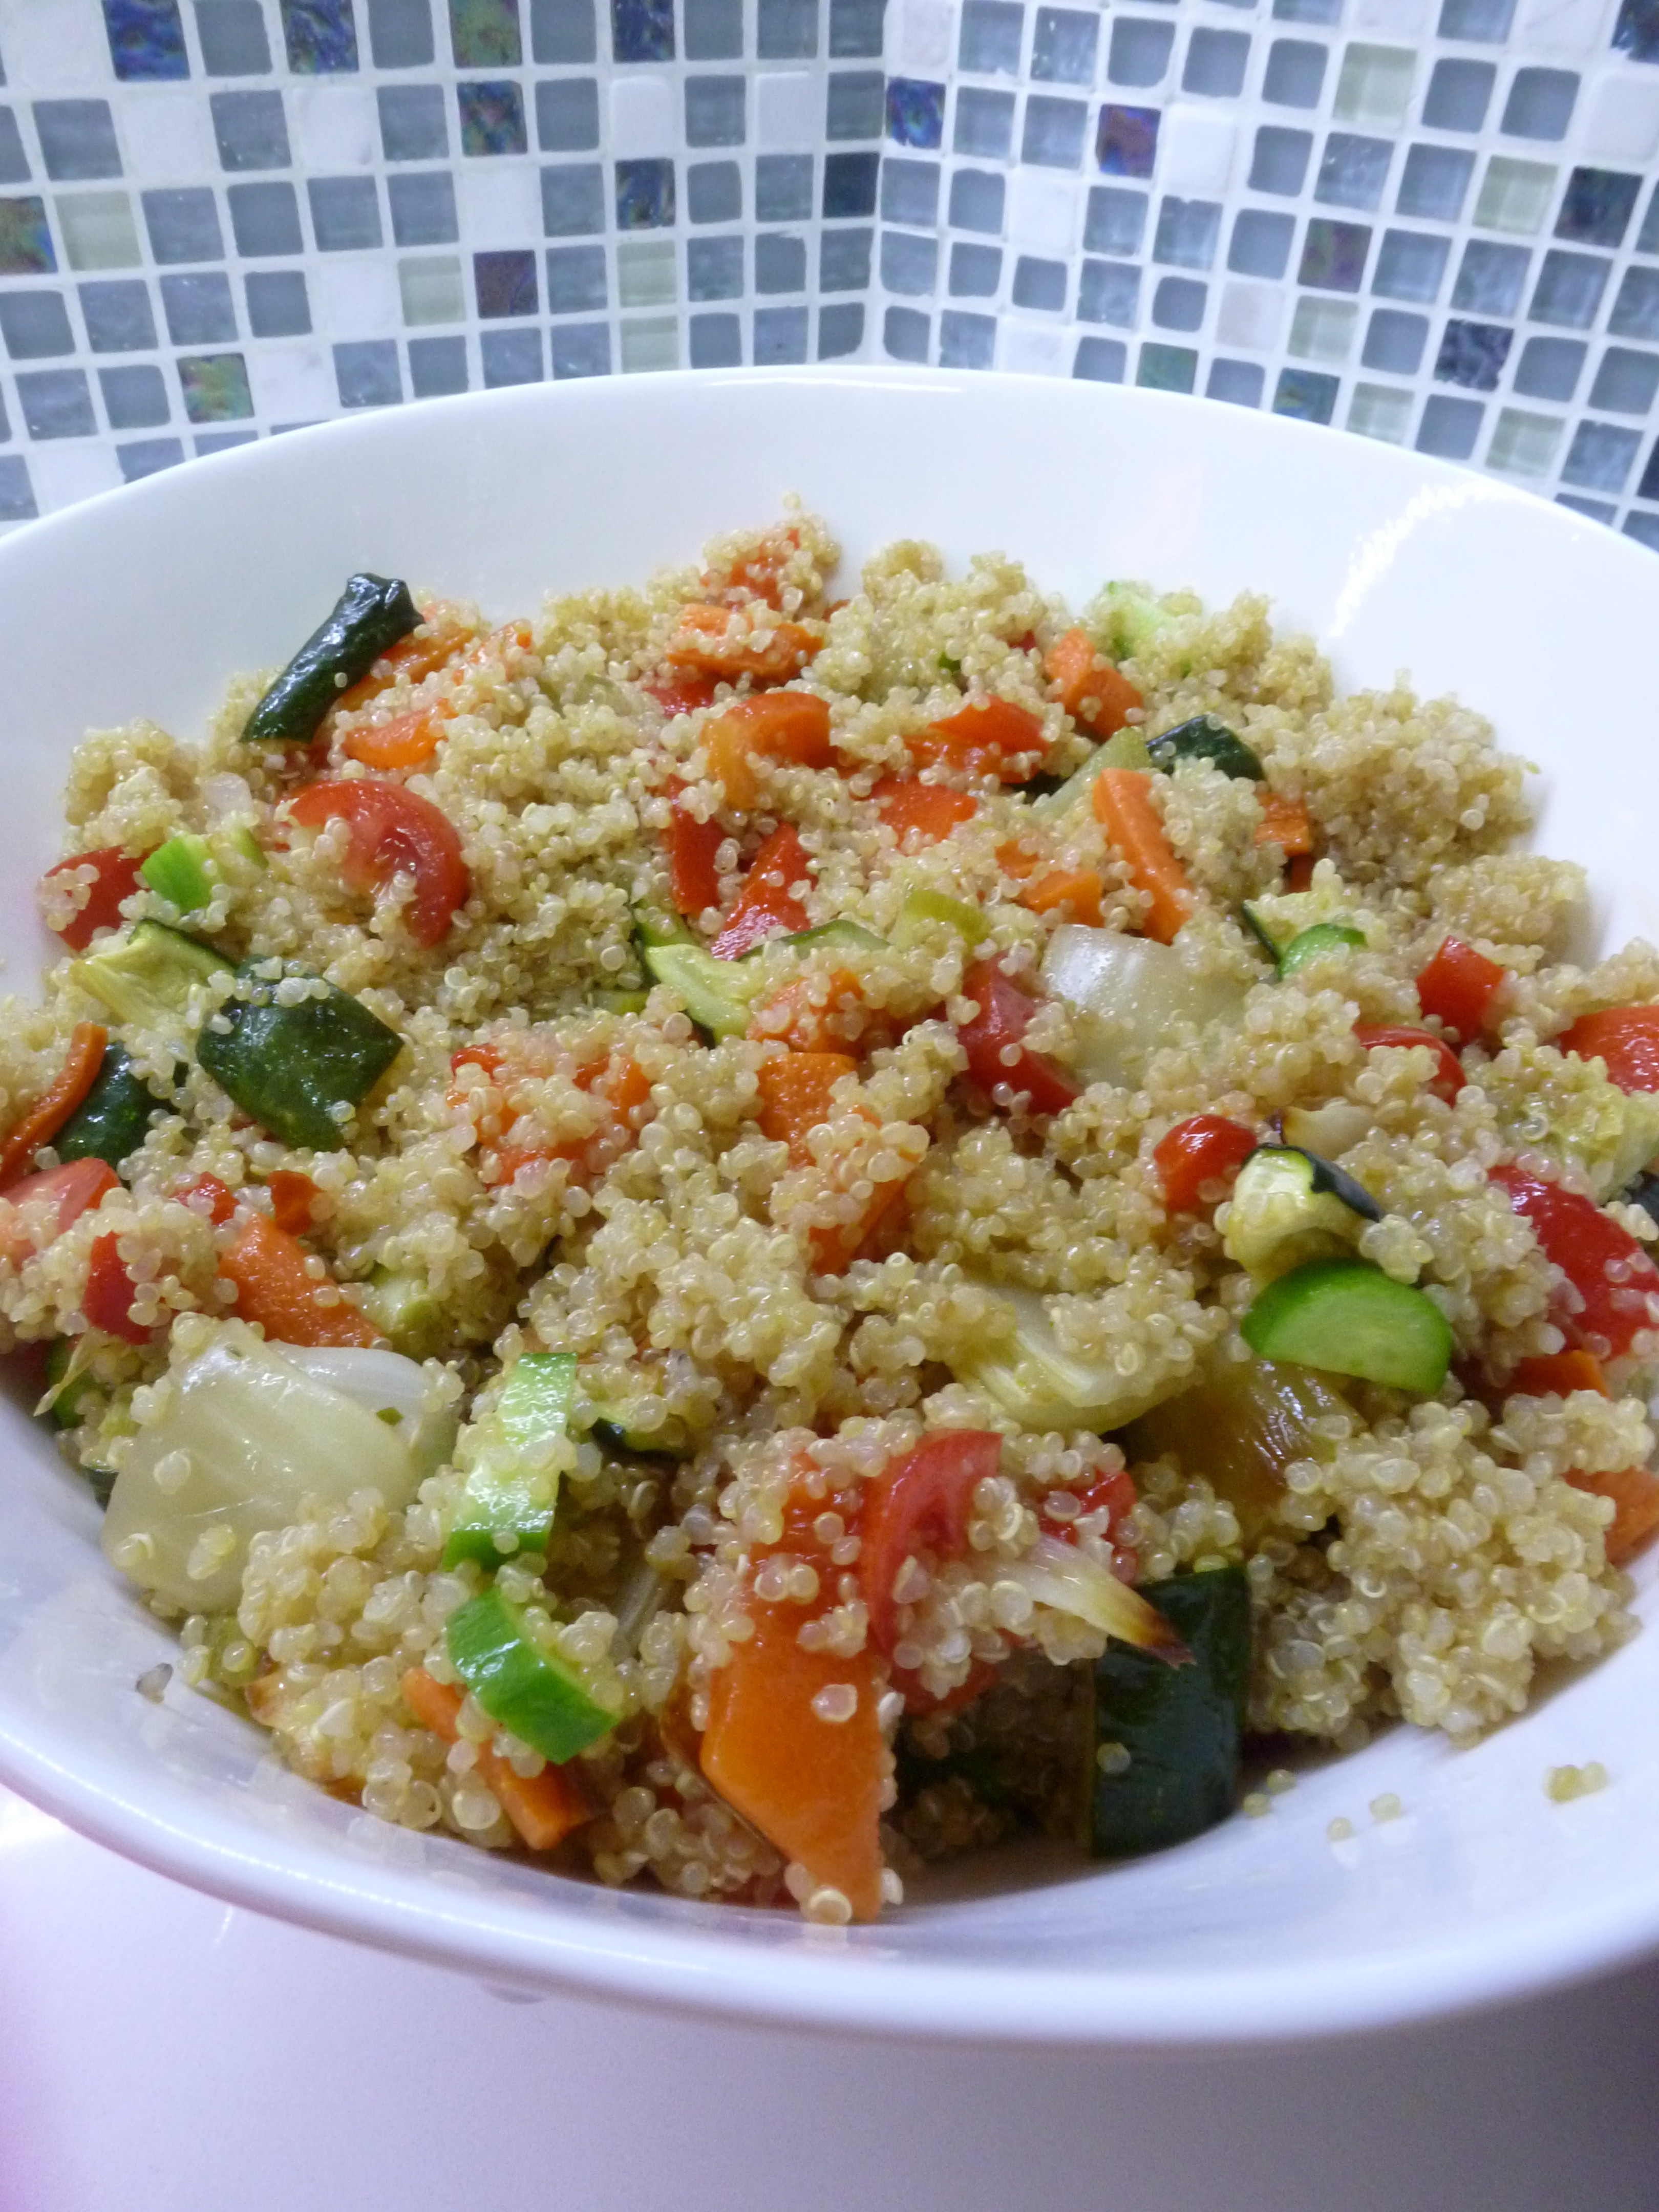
{"x": 147, "y": 601}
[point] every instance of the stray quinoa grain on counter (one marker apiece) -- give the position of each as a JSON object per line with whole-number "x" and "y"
{"x": 753, "y": 1238}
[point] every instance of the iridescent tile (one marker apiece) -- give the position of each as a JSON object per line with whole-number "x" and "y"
{"x": 643, "y": 30}
{"x": 484, "y": 33}
{"x": 321, "y": 36}
{"x": 1167, "y": 369}
{"x": 1597, "y": 206}
{"x": 1126, "y": 143}
{"x": 214, "y": 387}
{"x": 1334, "y": 255}
{"x": 25, "y": 239}
{"x": 1636, "y": 31}
{"x": 492, "y": 117}
{"x": 1472, "y": 354}
{"x": 915, "y": 111}
{"x": 506, "y": 282}
{"x": 645, "y": 194}
{"x": 1306, "y": 394}
{"x": 146, "y": 40}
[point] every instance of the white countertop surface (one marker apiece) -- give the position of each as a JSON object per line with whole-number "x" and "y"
{"x": 160, "y": 2052}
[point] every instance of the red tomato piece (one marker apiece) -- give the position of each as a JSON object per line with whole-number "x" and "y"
{"x": 767, "y": 906}
{"x": 1205, "y": 1150}
{"x": 291, "y": 1195}
{"x": 1625, "y": 1037}
{"x": 993, "y": 737}
{"x": 208, "y": 1195}
{"x": 992, "y": 1042}
{"x": 116, "y": 878}
{"x": 1457, "y": 987}
{"x": 927, "y": 810}
{"x": 693, "y": 879}
{"x": 1112, "y": 1494}
{"x": 1558, "y": 1372}
{"x": 680, "y": 693}
{"x": 1448, "y": 1078}
{"x": 107, "y": 1299}
{"x": 393, "y": 829}
{"x": 74, "y": 1189}
{"x": 921, "y": 1501}
{"x": 1614, "y": 1286}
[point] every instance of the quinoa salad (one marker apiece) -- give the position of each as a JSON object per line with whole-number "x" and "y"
{"x": 760, "y": 1230}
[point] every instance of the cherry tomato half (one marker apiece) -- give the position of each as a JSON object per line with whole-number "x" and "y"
{"x": 393, "y": 829}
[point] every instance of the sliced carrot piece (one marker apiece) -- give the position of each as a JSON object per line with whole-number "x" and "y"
{"x": 544, "y": 1807}
{"x": 795, "y": 1089}
{"x": 747, "y": 641}
{"x": 990, "y": 736}
{"x": 783, "y": 726}
{"x": 1559, "y": 1373}
{"x": 1285, "y": 823}
{"x": 406, "y": 662}
{"x": 1081, "y": 890}
{"x": 1124, "y": 808}
{"x": 407, "y": 741}
{"x": 1635, "y": 1494}
{"x": 929, "y": 810}
{"x": 274, "y": 1288}
{"x": 79, "y": 1071}
{"x": 760, "y": 574}
{"x": 291, "y": 1195}
{"x": 824, "y": 1013}
{"x": 1093, "y": 693}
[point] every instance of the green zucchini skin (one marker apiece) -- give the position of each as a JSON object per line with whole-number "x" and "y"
{"x": 1327, "y": 1180}
{"x": 371, "y": 615}
{"x": 1350, "y": 1318}
{"x": 1205, "y": 738}
{"x": 1181, "y": 1726}
{"x": 111, "y": 1120}
{"x": 286, "y": 1066}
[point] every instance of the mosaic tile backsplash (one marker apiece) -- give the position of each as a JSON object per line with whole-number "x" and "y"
{"x": 1433, "y": 222}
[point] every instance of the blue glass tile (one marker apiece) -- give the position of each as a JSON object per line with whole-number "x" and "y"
{"x": 780, "y": 336}
{"x": 984, "y": 122}
{"x": 183, "y": 225}
{"x": 1280, "y": 159}
{"x": 1216, "y": 62}
{"x": 1295, "y": 73}
{"x": 1491, "y": 278}
{"x": 25, "y": 239}
{"x": 221, "y": 441}
{"x": 413, "y": 126}
{"x": 1541, "y": 103}
{"x": 713, "y": 192}
{"x": 1626, "y": 382}
{"x": 1600, "y": 458}
{"x": 576, "y": 281}
{"x": 492, "y": 117}
{"x": 856, "y": 104}
{"x": 1040, "y": 284}
{"x": 1178, "y": 303}
{"x": 215, "y": 387}
{"x": 1434, "y": 182}
{"x": 1636, "y": 310}
{"x": 1568, "y": 289}
{"x": 1636, "y": 31}
{"x": 13, "y": 162}
{"x": 1167, "y": 369}
{"x": 573, "y": 200}
{"x": 1064, "y": 46}
{"x": 645, "y": 195}
{"x": 1410, "y": 265}
{"x": 147, "y": 457}
{"x": 909, "y": 192}
{"x": 909, "y": 263}
{"x": 1472, "y": 354}
{"x": 976, "y": 201}
{"x": 1115, "y": 221}
{"x": 1054, "y": 132}
{"x": 714, "y": 32}
{"x": 277, "y": 307}
{"x": 437, "y": 366}
{"x": 1549, "y": 368}
{"x": 1334, "y": 255}
{"x": 716, "y": 341}
{"x": 320, "y": 36}
{"x": 966, "y": 341}
{"x": 785, "y": 30}
{"x": 198, "y": 308}
{"x": 56, "y": 402}
{"x": 1353, "y": 171}
{"x": 849, "y": 184}
{"x": 716, "y": 112}
{"x": 16, "y": 493}
{"x": 855, "y": 28}
{"x": 1308, "y": 11}
{"x": 1459, "y": 94}
{"x": 1238, "y": 382}
{"x": 264, "y": 219}
{"x": 1260, "y": 244}
{"x": 424, "y": 207}
{"x": 1597, "y": 207}
{"x": 905, "y": 334}
{"x": 515, "y": 356}
{"x": 991, "y": 37}
{"x": 975, "y": 272}
{"x": 1140, "y": 51}
{"x": 1126, "y": 143}
{"x": 345, "y": 215}
{"x": 641, "y": 31}
{"x": 567, "y": 115}
{"x": 400, "y": 37}
{"x": 1596, "y": 510}
{"x": 1306, "y": 394}
{"x": 484, "y": 33}
{"x": 251, "y": 129}
{"x": 505, "y": 282}
{"x": 916, "y": 112}
{"x": 1394, "y": 342}
{"x": 1102, "y": 360}
{"x": 77, "y": 139}
{"x": 146, "y": 40}
{"x": 35, "y": 325}
{"x": 1644, "y": 528}
{"x": 840, "y": 328}
{"x": 1450, "y": 426}
{"x": 1108, "y": 292}
{"x": 844, "y": 259}
{"x": 1484, "y": 21}
{"x": 780, "y": 263}
{"x": 1649, "y": 487}
{"x": 117, "y": 317}
{"x": 1187, "y": 232}
{"x": 783, "y": 188}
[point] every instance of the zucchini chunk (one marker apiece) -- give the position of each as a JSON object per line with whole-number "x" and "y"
{"x": 111, "y": 1120}
{"x": 149, "y": 975}
{"x": 1171, "y": 1734}
{"x": 523, "y": 1687}
{"x": 829, "y": 934}
{"x": 1289, "y": 1206}
{"x": 1123, "y": 749}
{"x": 512, "y": 1489}
{"x": 186, "y": 870}
{"x": 289, "y": 1065}
{"x": 1315, "y": 943}
{"x": 1206, "y": 738}
{"x": 405, "y": 1310}
{"x": 370, "y": 615}
{"x": 921, "y": 906}
{"x": 1352, "y": 1319}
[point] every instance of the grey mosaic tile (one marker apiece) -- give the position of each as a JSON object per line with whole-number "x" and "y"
{"x": 856, "y": 104}
{"x": 1354, "y": 170}
{"x": 991, "y": 37}
{"x": 975, "y": 272}
{"x": 716, "y": 111}
{"x": 1460, "y": 93}
{"x": 1064, "y": 45}
{"x": 437, "y": 366}
{"x": 1178, "y": 303}
{"x": 1295, "y": 74}
{"x": 966, "y": 341}
{"x": 1597, "y": 206}
{"x": 16, "y": 493}
{"x": 577, "y": 282}
{"x": 844, "y": 260}
{"x": 147, "y": 457}
{"x": 573, "y": 200}
{"x": 1054, "y": 132}
{"x": 1041, "y": 285}
{"x": 1636, "y": 310}
{"x": 1541, "y": 103}
{"x": 714, "y": 32}
{"x": 250, "y": 129}
{"x": 1450, "y": 426}
{"x": 1140, "y": 51}
{"x": 1626, "y": 381}
{"x": 135, "y": 398}
{"x": 345, "y": 213}
{"x": 1549, "y": 368}
{"x": 423, "y": 205}
{"x": 264, "y": 219}
{"x": 1485, "y": 21}
{"x": 35, "y": 326}
{"x": 908, "y": 263}
{"x": 1239, "y": 382}
{"x": 1261, "y": 243}
{"x": 1105, "y": 361}
{"x": 567, "y": 114}
{"x": 278, "y": 306}
{"x": 515, "y": 356}
{"x": 855, "y": 29}
{"x": 781, "y": 337}
{"x": 1167, "y": 369}
{"x": 1114, "y": 221}
{"x": 783, "y": 188}
{"x": 1601, "y": 457}
{"x": 1491, "y": 278}
{"x": 1434, "y": 182}
{"x": 56, "y": 402}
{"x": 780, "y": 263}
{"x": 232, "y": 36}
{"x": 1280, "y": 159}
{"x": 77, "y": 139}
{"x": 400, "y": 37}
{"x": 1216, "y": 62}
{"x": 414, "y": 122}
{"x": 984, "y": 122}
{"x": 198, "y": 308}
{"x": 1187, "y": 232}
{"x": 849, "y": 184}
{"x": 1394, "y": 341}
{"x": 1568, "y": 289}
{"x": 118, "y": 315}
{"x": 1110, "y": 292}
{"x": 716, "y": 341}
{"x": 840, "y": 330}
{"x": 909, "y": 191}
{"x": 183, "y": 225}
{"x": 13, "y": 162}
{"x": 785, "y": 30}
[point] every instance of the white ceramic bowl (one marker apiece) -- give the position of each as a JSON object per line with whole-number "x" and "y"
{"x": 144, "y": 602}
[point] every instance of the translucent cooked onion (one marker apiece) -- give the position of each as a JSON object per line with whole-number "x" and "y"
{"x": 1135, "y": 994}
{"x": 1057, "y": 1575}
{"x": 387, "y": 1383}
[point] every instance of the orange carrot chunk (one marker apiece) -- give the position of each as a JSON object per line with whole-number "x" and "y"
{"x": 1285, "y": 823}
{"x": 823, "y": 1013}
{"x": 1125, "y": 811}
{"x": 1635, "y": 1494}
{"x": 291, "y": 1195}
{"x": 1079, "y": 889}
{"x": 1092, "y": 692}
{"x": 274, "y": 1287}
{"x": 1558, "y": 1374}
{"x": 56, "y": 1103}
{"x": 544, "y": 1807}
{"x": 782, "y": 725}
{"x": 991, "y": 736}
{"x": 407, "y": 741}
{"x": 747, "y": 640}
{"x": 795, "y": 1091}
{"x": 927, "y": 810}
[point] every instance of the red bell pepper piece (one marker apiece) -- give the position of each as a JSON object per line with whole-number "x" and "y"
{"x": 767, "y": 906}
{"x": 992, "y": 1042}
{"x": 1614, "y": 1286}
{"x": 922, "y": 1501}
{"x": 1457, "y": 987}
{"x": 1625, "y": 1037}
{"x": 1207, "y": 1149}
{"x": 107, "y": 1299}
{"x": 694, "y": 881}
{"x": 116, "y": 878}
{"x": 1448, "y": 1078}
{"x": 74, "y": 1188}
